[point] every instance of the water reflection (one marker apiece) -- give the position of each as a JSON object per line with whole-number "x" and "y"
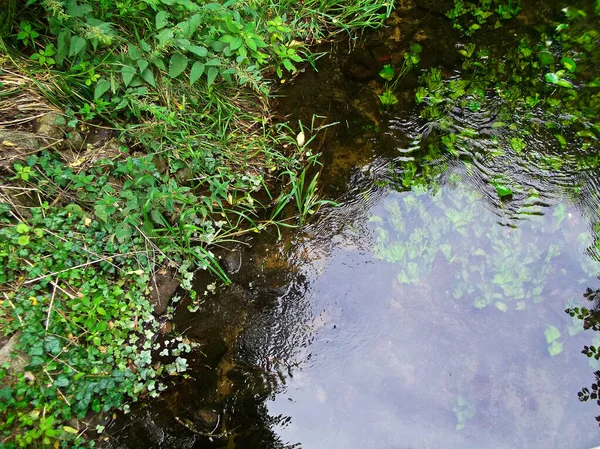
{"x": 400, "y": 360}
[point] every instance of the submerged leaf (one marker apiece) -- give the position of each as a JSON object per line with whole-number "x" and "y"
{"x": 553, "y": 78}
{"x": 555, "y": 348}
{"x": 387, "y": 73}
{"x": 502, "y": 190}
{"x": 552, "y": 333}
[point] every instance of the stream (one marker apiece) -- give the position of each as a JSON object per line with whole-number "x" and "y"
{"x": 426, "y": 310}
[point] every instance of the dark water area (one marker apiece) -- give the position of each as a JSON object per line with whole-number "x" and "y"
{"x": 424, "y": 311}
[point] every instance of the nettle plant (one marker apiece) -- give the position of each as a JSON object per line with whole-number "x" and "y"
{"x": 141, "y": 44}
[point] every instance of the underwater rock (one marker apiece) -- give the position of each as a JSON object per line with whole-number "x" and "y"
{"x": 362, "y": 66}
{"x": 232, "y": 261}
{"x": 206, "y": 420}
{"x": 440, "y": 6}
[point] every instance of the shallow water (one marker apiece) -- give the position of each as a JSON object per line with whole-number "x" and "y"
{"x": 382, "y": 362}
{"x": 417, "y": 314}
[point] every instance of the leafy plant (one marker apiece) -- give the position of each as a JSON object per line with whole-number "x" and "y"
{"x": 45, "y": 57}
{"x": 27, "y": 34}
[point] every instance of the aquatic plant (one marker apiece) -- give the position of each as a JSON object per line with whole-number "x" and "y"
{"x": 411, "y": 60}
{"x": 492, "y": 265}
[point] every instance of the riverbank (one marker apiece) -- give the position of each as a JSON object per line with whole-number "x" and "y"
{"x": 134, "y": 139}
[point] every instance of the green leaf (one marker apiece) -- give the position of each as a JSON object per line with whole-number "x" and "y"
{"x": 162, "y": 19}
{"x": 123, "y": 231}
{"x": 52, "y": 345}
{"x": 23, "y": 240}
{"x": 387, "y": 73}
{"x": 569, "y": 64}
{"x": 565, "y": 83}
{"x": 555, "y": 348}
{"x": 211, "y": 74}
{"x": 22, "y": 228}
{"x": 148, "y": 76}
{"x": 251, "y": 43}
{"x": 177, "y": 65}
{"x": 101, "y": 213}
{"x": 545, "y": 58}
{"x": 517, "y": 144}
{"x": 77, "y": 45}
{"x": 561, "y": 139}
{"x": 134, "y": 52}
{"x": 553, "y": 78}
{"x": 388, "y": 98}
{"x": 102, "y": 87}
{"x": 127, "y": 72}
{"x": 552, "y": 333}
{"x": 502, "y": 190}
{"x": 236, "y": 43}
{"x": 198, "y": 50}
{"x": 62, "y": 381}
{"x": 196, "y": 72}
{"x": 142, "y": 65}
{"x": 75, "y": 10}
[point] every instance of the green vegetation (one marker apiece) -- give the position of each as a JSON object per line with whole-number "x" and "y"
{"x": 185, "y": 86}
{"x": 524, "y": 112}
{"x": 411, "y": 61}
{"x": 492, "y": 265}
{"x": 471, "y": 16}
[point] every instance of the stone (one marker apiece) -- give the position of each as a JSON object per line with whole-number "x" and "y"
{"x": 206, "y": 420}
{"x": 232, "y": 261}
{"x": 48, "y": 126}
{"x": 163, "y": 287}
{"x": 184, "y": 176}
{"x": 19, "y": 140}
{"x": 18, "y": 363}
{"x": 74, "y": 141}
{"x": 160, "y": 163}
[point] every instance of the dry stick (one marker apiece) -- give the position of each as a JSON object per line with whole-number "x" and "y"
{"x": 57, "y": 389}
{"x": 79, "y": 266}
{"x": 17, "y": 188}
{"x": 50, "y": 306}
{"x": 83, "y": 248}
{"x": 13, "y": 306}
{"x": 62, "y": 290}
{"x": 154, "y": 244}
